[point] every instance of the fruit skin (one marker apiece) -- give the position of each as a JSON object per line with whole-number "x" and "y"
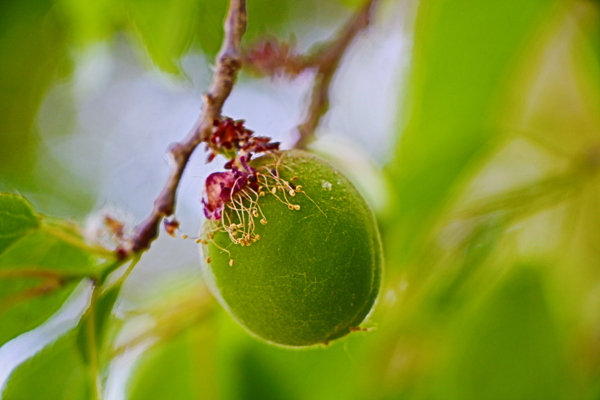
{"x": 315, "y": 272}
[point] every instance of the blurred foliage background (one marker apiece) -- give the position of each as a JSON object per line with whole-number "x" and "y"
{"x": 472, "y": 127}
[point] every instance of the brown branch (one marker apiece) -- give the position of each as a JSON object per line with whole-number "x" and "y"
{"x": 326, "y": 61}
{"x": 229, "y": 62}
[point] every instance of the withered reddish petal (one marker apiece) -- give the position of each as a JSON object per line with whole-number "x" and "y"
{"x": 207, "y": 211}
{"x": 220, "y": 186}
{"x": 239, "y": 184}
{"x": 214, "y": 185}
{"x": 225, "y": 194}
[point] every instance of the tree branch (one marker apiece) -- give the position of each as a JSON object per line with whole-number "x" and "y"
{"x": 326, "y": 61}
{"x": 229, "y": 61}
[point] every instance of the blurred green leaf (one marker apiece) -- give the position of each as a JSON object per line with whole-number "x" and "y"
{"x": 210, "y": 35}
{"x": 166, "y": 28}
{"x": 463, "y": 53}
{"x": 181, "y": 367}
{"x": 461, "y": 280}
{"x": 510, "y": 348}
{"x": 258, "y": 379}
{"x": 37, "y": 274}
{"x": 353, "y": 3}
{"x": 56, "y": 373}
{"x": 251, "y": 369}
{"x": 104, "y": 308}
{"x": 32, "y": 48}
{"x": 17, "y": 219}
{"x": 99, "y": 314}
{"x": 33, "y": 54}
{"x": 89, "y": 21}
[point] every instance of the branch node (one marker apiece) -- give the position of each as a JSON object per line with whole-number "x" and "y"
{"x": 178, "y": 153}
{"x": 208, "y": 98}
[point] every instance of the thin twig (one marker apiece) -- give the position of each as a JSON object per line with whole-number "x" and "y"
{"x": 229, "y": 61}
{"x": 326, "y": 61}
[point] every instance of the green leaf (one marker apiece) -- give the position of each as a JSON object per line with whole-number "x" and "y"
{"x": 166, "y": 28}
{"x": 89, "y": 21}
{"x": 460, "y": 282}
{"x": 250, "y": 369}
{"x": 180, "y": 368}
{"x": 463, "y": 53}
{"x": 56, "y": 373}
{"x": 509, "y": 348}
{"x": 104, "y": 308}
{"x": 32, "y": 50}
{"x": 353, "y": 4}
{"x": 37, "y": 274}
{"x": 17, "y": 219}
{"x": 101, "y": 312}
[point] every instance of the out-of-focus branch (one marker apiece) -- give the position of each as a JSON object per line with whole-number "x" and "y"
{"x": 229, "y": 61}
{"x": 326, "y": 61}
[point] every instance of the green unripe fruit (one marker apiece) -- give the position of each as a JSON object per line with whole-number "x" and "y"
{"x": 307, "y": 263}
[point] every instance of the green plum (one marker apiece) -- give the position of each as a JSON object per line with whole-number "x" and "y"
{"x": 295, "y": 256}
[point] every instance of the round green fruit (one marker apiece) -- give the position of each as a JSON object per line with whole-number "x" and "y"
{"x": 296, "y": 259}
